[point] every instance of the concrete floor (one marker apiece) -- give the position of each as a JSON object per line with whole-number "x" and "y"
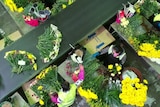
{"x": 10, "y": 24}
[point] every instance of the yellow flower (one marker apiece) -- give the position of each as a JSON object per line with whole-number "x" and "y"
{"x": 40, "y": 87}
{"x": 35, "y": 66}
{"x": 64, "y": 6}
{"x": 22, "y": 52}
{"x": 70, "y": 2}
{"x": 156, "y": 42}
{"x": 21, "y": 9}
{"x": 110, "y": 66}
{"x": 118, "y": 68}
{"x": 14, "y": 7}
{"x": 41, "y": 102}
{"x": 30, "y": 56}
{"x": 87, "y": 94}
{"x": 145, "y": 81}
{"x": 133, "y": 92}
{"x": 92, "y": 95}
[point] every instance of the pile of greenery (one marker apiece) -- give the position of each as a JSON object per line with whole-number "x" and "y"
{"x": 47, "y": 82}
{"x": 49, "y": 43}
{"x": 148, "y": 8}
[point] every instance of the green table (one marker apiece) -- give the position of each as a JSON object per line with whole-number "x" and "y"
{"x": 75, "y": 22}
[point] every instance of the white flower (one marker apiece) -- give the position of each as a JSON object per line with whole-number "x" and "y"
{"x": 58, "y": 34}
{"x": 112, "y": 74}
{"x": 53, "y": 27}
{"x": 46, "y": 60}
{"x": 119, "y": 72}
{"x": 124, "y": 22}
{"x": 21, "y": 62}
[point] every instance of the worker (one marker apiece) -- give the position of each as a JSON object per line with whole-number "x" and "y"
{"x": 112, "y": 54}
{"x": 66, "y": 96}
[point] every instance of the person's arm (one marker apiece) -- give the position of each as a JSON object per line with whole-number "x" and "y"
{"x": 80, "y": 75}
{"x": 81, "y": 72}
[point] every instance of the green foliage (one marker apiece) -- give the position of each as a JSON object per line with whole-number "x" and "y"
{"x": 21, "y": 3}
{"x": 98, "y": 103}
{"x": 57, "y": 6}
{"x": 148, "y": 8}
{"x": 149, "y": 38}
{"x": 93, "y": 80}
{"x": 134, "y": 23}
{"x": 7, "y": 41}
{"x": 48, "y": 79}
{"x": 112, "y": 95}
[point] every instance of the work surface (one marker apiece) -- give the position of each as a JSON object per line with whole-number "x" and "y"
{"x": 76, "y": 22}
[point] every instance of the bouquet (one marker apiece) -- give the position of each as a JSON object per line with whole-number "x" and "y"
{"x": 49, "y": 43}
{"x": 45, "y": 83}
{"x": 21, "y": 60}
{"x": 114, "y": 69}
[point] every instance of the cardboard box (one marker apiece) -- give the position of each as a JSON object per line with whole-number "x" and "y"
{"x": 98, "y": 40}
{"x": 18, "y": 101}
{"x": 30, "y": 94}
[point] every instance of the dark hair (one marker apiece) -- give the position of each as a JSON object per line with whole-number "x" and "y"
{"x": 118, "y": 49}
{"x": 65, "y": 86}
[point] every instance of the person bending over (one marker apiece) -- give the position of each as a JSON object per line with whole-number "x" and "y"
{"x": 112, "y": 54}
{"x": 66, "y": 96}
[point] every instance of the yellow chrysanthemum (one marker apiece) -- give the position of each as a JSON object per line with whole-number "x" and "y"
{"x": 133, "y": 92}
{"x": 87, "y": 94}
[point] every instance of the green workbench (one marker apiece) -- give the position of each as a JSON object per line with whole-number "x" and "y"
{"x": 75, "y": 22}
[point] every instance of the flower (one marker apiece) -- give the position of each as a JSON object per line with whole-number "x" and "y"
{"x": 134, "y": 92}
{"x": 124, "y": 22}
{"x": 114, "y": 69}
{"x": 110, "y": 66}
{"x": 12, "y": 6}
{"x": 20, "y": 61}
{"x": 87, "y": 94}
{"x": 40, "y": 87}
{"x": 41, "y": 102}
{"x": 149, "y": 50}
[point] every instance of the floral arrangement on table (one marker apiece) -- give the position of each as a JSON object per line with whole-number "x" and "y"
{"x": 115, "y": 69}
{"x": 49, "y": 43}
{"x": 138, "y": 32}
{"x": 21, "y": 60}
{"x": 46, "y": 82}
{"x": 134, "y": 92}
